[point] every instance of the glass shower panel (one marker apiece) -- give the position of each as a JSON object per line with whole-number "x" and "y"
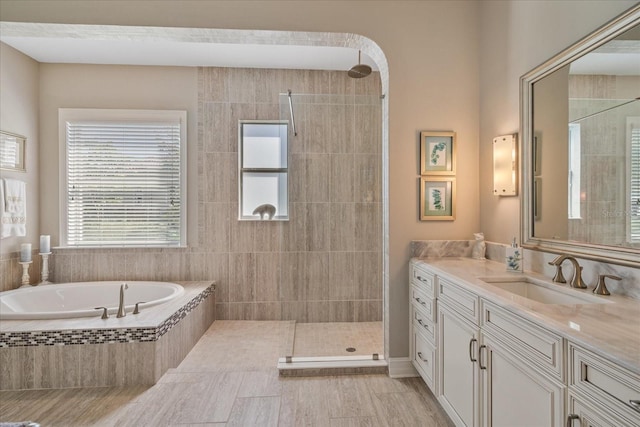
{"x": 330, "y": 276}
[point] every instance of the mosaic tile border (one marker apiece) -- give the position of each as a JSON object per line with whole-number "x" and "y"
{"x": 102, "y": 336}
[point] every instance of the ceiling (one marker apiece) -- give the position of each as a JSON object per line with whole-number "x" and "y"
{"x": 184, "y": 53}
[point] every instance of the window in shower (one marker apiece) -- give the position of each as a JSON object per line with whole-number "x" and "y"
{"x": 263, "y": 170}
{"x": 124, "y": 177}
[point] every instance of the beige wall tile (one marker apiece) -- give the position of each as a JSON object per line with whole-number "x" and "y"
{"x": 242, "y": 85}
{"x": 242, "y": 277}
{"x": 215, "y": 127}
{"x": 342, "y": 178}
{"x": 368, "y": 226}
{"x": 267, "y": 311}
{"x": 57, "y": 366}
{"x": 342, "y": 276}
{"x": 267, "y": 279}
{"x": 241, "y": 311}
{"x": 215, "y": 85}
{"x": 316, "y": 279}
{"x": 293, "y": 275}
{"x": 343, "y": 226}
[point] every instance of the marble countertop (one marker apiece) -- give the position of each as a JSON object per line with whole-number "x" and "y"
{"x": 610, "y": 329}
{"x": 149, "y": 318}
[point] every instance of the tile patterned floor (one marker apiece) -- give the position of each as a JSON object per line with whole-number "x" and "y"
{"x": 333, "y": 339}
{"x": 230, "y": 379}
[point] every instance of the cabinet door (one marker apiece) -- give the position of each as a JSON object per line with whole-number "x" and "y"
{"x": 514, "y": 393}
{"x": 458, "y": 373}
{"x": 584, "y": 413}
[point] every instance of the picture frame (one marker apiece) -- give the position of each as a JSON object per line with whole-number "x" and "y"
{"x": 437, "y": 198}
{"x": 12, "y": 149}
{"x": 437, "y": 153}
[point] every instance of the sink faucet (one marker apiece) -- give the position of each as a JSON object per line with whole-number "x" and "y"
{"x": 576, "y": 281}
{"x": 121, "y": 312}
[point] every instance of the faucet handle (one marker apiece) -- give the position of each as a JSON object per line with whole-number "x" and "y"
{"x": 601, "y": 287}
{"x": 577, "y": 281}
{"x": 105, "y": 315}
{"x": 559, "y": 277}
{"x": 136, "y": 310}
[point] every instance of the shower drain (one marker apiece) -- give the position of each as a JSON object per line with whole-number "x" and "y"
{"x": 351, "y": 349}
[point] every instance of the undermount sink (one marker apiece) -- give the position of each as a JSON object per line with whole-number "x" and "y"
{"x": 542, "y": 292}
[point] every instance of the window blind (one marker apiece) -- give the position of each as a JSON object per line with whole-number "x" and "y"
{"x": 634, "y": 185}
{"x": 123, "y": 183}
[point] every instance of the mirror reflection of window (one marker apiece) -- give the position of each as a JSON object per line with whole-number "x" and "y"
{"x": 633, "y": 179}
{"x": 574, "y": 171}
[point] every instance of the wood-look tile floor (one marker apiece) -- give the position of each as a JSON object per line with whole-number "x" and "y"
{"x": 230, "y": 379}
{"x": 333, "y": 339}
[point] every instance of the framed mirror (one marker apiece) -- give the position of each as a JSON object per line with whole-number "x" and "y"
{"x": 12, "y": 148}
{"x": 580, "y": 127}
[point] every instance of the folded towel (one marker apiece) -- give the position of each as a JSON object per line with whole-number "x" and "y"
{"x": 13, "y": 208}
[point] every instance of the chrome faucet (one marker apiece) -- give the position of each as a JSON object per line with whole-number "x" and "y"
{"x": 121, "y": 312}
{"x": 576, "y": 281}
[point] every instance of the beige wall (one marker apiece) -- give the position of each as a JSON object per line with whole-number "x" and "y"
{"x": 19, "y": 114}
{"x": 110, "y": 86}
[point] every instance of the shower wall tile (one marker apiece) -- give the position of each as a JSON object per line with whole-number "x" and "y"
{"x": 215, "y": 129}
{"x": 368, "y": 185}
{"x": 292, "y": 276}
{"x": 317, "y": 226}
{"x": 242, "y": 277}
{"x": 342, "y": 277}
{"x": 294, "y": 310}
{"x": 242, "y": 85}
{"x": 241, "y": 233}
{"x": 219, "y": 176}
{"x": 241, "y": 311}
{"x": 269, "y": 112}
{"x": 267, "y": 276}
{"x": 343, "y": 226}
{"x": 368, "y": 309}
{"x": 341, "y": 84}
{"x": 237, "y": 112}
{"x": 317, "y": 311}
{"x": 318, "y": 129}
{"x": 367, "y": 138}
{"x": 342, "y": 129}
{"x": 341, "y": 311}
{"x": 267, "y": 310}
{"x": 367, "y": 268}
{"x": 215, "y": 84}
{"x": 216, "y": 221}
{"x": 268, "y": 235}
{"x": 368, "y": 226}
{"x": 316, "y": 279}
{"x": 222, "y": 311}
{"x": 342, "y": 178}
{"x": 268, "y": 85}
{"x": 294, "y": 231}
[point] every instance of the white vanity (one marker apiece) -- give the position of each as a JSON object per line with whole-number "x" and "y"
{"x": 494, "y": 357}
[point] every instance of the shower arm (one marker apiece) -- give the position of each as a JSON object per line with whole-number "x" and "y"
{"x": 293, "y": 121}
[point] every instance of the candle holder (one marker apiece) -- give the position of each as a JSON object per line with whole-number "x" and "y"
{"x": 45, "y": 268}
{"x": 25, "y": 272}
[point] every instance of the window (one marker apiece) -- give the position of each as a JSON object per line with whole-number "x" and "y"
{"x": 263, "y": 171}
{"x": 633, "y": 177}
{"x": 123, "y": 181}
{"x": 574, "y": 171}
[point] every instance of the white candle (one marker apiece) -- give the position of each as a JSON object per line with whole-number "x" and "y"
{"x": 25, "y": 252}
{"x": 45, "y": 244}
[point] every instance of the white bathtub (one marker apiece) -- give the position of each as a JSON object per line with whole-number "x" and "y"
{"x": 70, "y": 300}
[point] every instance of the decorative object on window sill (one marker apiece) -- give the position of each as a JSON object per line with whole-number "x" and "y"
{"x": 12, "y": 151}
{"x": 266, "y": 209}
{"x": 437, "y": 198}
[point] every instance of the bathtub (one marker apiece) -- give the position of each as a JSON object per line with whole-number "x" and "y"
{"x": 71, "y": 300}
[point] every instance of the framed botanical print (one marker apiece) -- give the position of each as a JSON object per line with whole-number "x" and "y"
{"x": 437, "y": 153}
{"x": 437, "y": 198}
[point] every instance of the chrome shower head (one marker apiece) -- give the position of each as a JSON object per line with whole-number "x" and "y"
{"x": 360, "y": 70}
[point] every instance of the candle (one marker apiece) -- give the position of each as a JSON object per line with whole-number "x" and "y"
{"x": 25, "y": 252}
{"x": 45, "y": 244}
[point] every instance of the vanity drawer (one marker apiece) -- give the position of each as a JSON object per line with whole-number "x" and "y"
{"x": 424, "y": 359}
{"x": 532, "y": 342}
{"x": 423, "y": 279}
{"x": 422, "y": 322}
{"x": 427, "y": 305}
{"x": 604, "y": 381}
{"x": 463, "y": 301}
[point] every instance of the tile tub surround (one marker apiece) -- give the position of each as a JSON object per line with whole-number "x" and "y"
{"x": 133, "y": 350}
{"x": 610, "y": 330}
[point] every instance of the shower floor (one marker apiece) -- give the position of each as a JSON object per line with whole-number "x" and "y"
{"x": 334, "y": 338}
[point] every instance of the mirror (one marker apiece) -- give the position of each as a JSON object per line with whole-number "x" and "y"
{"x": 580, "y": 124}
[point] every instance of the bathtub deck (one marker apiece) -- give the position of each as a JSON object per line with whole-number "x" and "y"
{"x": 88, "y": 352}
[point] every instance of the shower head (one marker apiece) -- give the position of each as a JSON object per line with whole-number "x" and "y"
{"x": 360, "y": 70}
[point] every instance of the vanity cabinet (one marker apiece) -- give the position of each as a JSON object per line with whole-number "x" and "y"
{"x": 489, "y": 366}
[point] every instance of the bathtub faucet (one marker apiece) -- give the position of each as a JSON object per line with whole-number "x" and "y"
{"x": 121, "y": 312}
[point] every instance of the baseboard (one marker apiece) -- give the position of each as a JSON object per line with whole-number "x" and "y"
{"x": 401, "y": 367}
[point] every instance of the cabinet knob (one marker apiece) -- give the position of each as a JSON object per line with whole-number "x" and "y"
{"x": 420, "y": 301}
{"x": 635, "y": 404}
{"x": 421, "y": 358}
{"x": 570, "y": 419}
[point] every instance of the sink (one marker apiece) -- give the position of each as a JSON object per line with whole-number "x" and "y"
{"x": 543, "y": 292}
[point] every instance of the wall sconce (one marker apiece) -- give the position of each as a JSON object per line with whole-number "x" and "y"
{"x": 505, "y": 165}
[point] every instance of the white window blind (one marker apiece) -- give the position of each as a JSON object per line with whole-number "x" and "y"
{"x": 124, "y": 180}
{"x": 634, "y": 183}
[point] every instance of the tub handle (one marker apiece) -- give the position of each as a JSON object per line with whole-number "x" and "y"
{"x": 105, "y": 315}
{"x": 137, "y": 310}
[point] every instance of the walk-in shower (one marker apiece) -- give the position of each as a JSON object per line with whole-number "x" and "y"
{"x": 331, "y": 268}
